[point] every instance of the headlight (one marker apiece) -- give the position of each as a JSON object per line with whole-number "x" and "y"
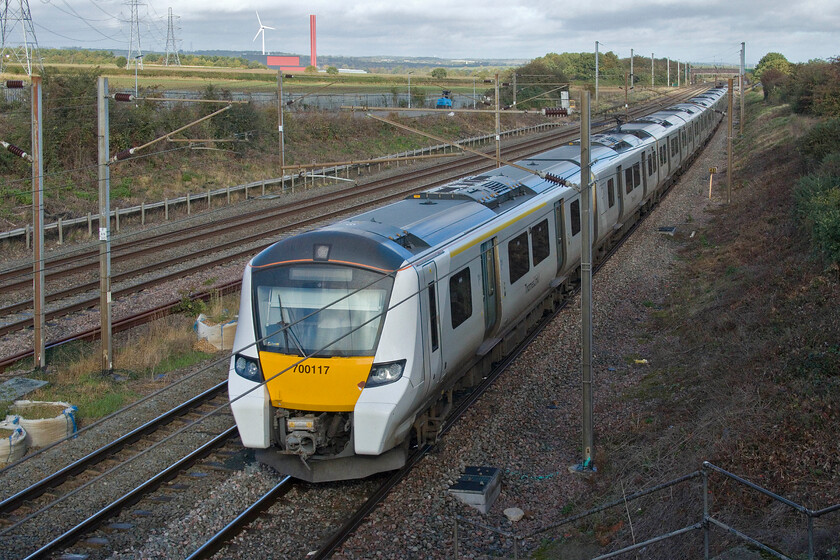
{"x": 382, "y": 374}
{"x": 247, "y": 368}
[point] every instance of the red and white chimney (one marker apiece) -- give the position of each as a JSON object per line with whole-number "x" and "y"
{"x": 313, "y": 57}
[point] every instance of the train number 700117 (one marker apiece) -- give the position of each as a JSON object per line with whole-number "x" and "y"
{"x": 309, "y": 368}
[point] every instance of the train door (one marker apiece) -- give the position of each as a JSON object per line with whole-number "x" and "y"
{"x": 490, "y": 285}
{"x": 560, "y": 228}
{"x": 430, "y": 304}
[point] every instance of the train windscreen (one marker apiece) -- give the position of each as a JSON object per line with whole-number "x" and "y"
{"x": 319, "y": 310}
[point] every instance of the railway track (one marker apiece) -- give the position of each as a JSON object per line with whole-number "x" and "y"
{"x": 271, "y": 223}
{"x": 46, "y": 511}
{"x": 331, "y": 544}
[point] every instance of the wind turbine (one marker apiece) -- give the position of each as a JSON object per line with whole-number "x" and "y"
{"x": 261, "y": 30}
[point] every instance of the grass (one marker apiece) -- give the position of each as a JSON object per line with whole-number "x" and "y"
{"x": 144, "y": 360}
{"x": 747, "y": 367}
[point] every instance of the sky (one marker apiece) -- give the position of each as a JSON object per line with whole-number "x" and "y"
{"x": 693, "y": 31}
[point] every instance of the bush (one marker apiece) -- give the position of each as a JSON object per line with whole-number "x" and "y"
{"x": 830, "y": 165}
{"x": 818, "y": 207}
{"x": 821, "y": 140}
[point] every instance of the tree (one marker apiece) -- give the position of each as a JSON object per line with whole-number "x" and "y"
{"x": 310, "y": 70}
{"x": 538, "y": 81}
{"x": 121, "y": 61}
{"x": 772, "y": 60}
{"x": 332, "y": 70}
{"x": 439, "y": 73}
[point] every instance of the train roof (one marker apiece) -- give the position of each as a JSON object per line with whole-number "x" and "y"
{"x": 430, "y": 218}
{"x": 386, "y": 237}
{"x": 643, "y": 129}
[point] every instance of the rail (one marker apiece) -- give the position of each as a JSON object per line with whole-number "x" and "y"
{"x": 58, "y": 227}
{"x": 705, "y": 524}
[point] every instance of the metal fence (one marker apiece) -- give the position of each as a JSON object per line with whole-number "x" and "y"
{"x": 502, "y": 543}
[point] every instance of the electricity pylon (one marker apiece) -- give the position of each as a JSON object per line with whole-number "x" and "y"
{"x": 17, "y": 37}
{"x": 171, "y": 43}
{"x": 134, "y": 51}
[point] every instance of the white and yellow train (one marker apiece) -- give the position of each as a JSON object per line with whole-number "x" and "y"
{"x": 352, "y": 336}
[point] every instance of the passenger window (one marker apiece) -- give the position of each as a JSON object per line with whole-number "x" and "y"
{"x": 540, "y": 247}
{"x": 637, "y": 175}
{"x": 650, "y": 163}
{"x": 433, "y": 316}
{"x": 611, "y": 193}
{"x": 518, "y": 256}
{"x": 460, "y": 297}
{"x": 574, "y": 208}
{"x": 628, "y": 180}
{"x": 663, "y": 155}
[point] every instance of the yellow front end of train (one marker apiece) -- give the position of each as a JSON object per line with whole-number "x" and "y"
{"x": 315, "y": 384}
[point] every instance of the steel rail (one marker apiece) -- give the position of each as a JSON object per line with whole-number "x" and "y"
{"x": 129, "y": 499}
{"x": 59, "y": 477}
{"x": 217, "y": 541}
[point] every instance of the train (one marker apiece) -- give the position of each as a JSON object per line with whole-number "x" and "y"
{"x": 352, "y": 337}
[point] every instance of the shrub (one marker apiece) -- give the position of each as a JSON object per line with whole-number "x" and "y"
{"x": 821, "y": 140}
{"x": 818, "y": 207}
{"x": 830, "y": 165}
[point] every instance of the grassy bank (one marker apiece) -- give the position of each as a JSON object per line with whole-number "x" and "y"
{"x": 747, "y": 359}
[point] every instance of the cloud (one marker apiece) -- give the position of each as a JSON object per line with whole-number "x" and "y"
{"x": 681, "y": 29}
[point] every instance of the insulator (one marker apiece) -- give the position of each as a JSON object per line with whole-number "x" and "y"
{"x": 17, "y": 151}
{"x": 125, "y": 154}
{"x": 123, "y": 97}
{"x": 288, "y": 75}
{"x": 556, "y": 180}
{"x": 14, "y": 84}
{"x": 556, "y": 112}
